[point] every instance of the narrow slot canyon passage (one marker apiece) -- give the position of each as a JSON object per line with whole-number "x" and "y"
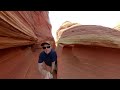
{"x": 85, "y": 50}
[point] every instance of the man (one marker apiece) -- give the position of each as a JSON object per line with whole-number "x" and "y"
{"x": 47, "y": 62}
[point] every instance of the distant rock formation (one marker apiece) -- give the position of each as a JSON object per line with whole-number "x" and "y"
{"x": 66, "y": 24}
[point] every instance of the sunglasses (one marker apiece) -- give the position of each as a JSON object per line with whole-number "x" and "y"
{"x": 46, "y": 47}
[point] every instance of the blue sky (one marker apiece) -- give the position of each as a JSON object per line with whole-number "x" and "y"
{"x": 104, "y": 18}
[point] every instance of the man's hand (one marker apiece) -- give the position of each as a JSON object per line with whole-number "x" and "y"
{"x": 45, "y": 73}
{"x": 51, "y": 72}
{"x": 48, "y": 75}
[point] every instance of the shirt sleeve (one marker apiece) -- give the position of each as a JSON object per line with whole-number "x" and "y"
{"x": 54, "y": 57}
{"x": 41, "y": 58}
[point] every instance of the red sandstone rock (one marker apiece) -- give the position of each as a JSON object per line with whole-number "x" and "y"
{"x": 21, "y": 33}
{"x": 88, "y": 51}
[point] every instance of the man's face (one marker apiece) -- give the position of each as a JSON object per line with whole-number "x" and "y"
{"x": 47, "y": 48}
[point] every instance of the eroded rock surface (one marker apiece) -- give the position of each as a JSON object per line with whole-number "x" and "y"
{"x": 88, "y": 51}
{"x": 21, "y": 33}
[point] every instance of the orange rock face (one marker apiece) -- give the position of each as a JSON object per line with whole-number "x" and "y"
{"x": 88, "y": 52}
{"x": 21, "y": 33}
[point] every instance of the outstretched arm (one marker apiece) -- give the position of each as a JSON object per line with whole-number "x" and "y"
{"x": 53, "y": 67}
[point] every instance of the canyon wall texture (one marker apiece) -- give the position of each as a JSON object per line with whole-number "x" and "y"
{"x": 21, "y": 33}
{"x": 88, "y": 52}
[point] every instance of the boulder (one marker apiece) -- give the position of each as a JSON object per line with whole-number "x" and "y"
{"x": 88, "y": 52}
